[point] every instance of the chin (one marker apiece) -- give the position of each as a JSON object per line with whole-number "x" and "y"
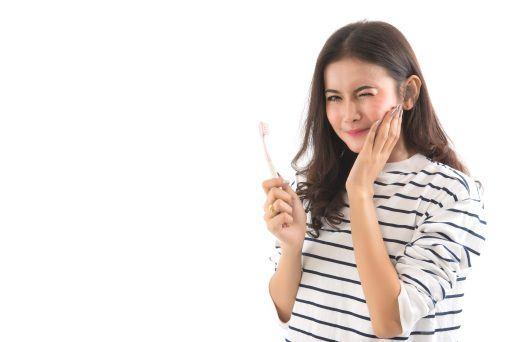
{"x": 355, "y": 148}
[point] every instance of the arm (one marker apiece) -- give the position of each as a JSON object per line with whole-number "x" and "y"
{"x": 378, "y": 276}
{"x": 284, "y": 283}
{"x": 442, "y": 249}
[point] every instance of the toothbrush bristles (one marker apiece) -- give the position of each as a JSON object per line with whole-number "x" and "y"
{"x": 263, "y": 128}
{"x": 264, "y": 132}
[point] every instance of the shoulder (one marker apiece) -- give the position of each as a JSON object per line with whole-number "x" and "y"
{"x": 460, "y": 184}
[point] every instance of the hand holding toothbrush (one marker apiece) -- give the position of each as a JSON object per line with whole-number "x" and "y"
{"x": 284, "y": 213}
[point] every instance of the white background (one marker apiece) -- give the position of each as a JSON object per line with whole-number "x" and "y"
{"x": 131, "y": 166}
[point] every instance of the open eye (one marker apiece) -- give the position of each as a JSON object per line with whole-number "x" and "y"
{"x": 331, "y": 98}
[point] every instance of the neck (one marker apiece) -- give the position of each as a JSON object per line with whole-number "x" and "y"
{"x": 400, "y": 152}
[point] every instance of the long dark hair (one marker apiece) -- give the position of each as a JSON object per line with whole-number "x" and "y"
{"x": 382, "y": 44}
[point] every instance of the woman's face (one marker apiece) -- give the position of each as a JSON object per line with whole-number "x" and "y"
{"x": 357, "y": 94}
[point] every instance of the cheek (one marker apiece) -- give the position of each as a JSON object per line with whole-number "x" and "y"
{"x": 376, "y": 108}
{"x": 332, "y": 115}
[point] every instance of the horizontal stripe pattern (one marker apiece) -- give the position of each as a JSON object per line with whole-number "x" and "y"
{"x": 433, "y": 225}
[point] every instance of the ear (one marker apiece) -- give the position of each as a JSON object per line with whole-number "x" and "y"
{"x": 411, "y": 91}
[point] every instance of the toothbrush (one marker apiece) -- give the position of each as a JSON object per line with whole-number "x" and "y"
{"x": 264, "y": 132}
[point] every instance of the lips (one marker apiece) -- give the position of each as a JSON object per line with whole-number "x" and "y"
{"x": 356, "y": 133}
{"x": 357, "y": 130}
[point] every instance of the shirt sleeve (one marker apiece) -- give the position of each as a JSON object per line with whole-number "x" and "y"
{"x": 275, "y": 254}
{"x": 442, "y": 248}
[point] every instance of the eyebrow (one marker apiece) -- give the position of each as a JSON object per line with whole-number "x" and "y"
{"x": 355, "y": 91}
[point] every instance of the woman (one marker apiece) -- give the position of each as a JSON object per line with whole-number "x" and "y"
{"x": 385, "y": 221}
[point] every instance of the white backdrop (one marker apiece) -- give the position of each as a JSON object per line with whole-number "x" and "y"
{"x": 131, "y": 166}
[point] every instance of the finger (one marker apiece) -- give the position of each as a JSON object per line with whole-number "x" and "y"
{"x": 267, "y": 215}
{"x": 277, "y": 222}
{"x": 279, "y": 206}
{"x": 395, "y": 132}
{"x": 394, "y": 129}
{"x": 271, "y": 183}
{"x": 384, "y": 130}
{"x": 370, "y": 137}
{"x": 291, "y": 192}
{"x": 275, "y": 194}
{"x": 283, "y": 207}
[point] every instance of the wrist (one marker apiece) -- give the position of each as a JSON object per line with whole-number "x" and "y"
{"x": 291, "y": 251}
{"x": 360, "y": 193}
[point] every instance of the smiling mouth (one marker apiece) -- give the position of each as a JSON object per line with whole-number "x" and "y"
{"x": 356, "y": 133}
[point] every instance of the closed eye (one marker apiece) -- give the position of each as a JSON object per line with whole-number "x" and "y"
{"x": 331, "y": 98}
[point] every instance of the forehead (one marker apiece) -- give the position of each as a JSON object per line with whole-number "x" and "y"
{"x": 349, "y": 73}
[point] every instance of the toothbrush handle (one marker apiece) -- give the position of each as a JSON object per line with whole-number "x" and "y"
{"x": 272, "y": 169}
{"x": 269, "y": 161}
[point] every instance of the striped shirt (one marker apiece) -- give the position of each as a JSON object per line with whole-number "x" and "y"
{"x": 432, "y": 221}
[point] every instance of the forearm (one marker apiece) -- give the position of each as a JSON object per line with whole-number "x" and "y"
{"x": 284, "y": 283}
{"x": 378, "y": 276}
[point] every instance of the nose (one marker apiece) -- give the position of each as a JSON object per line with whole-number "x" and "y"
{"x": 350, "y": 112}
